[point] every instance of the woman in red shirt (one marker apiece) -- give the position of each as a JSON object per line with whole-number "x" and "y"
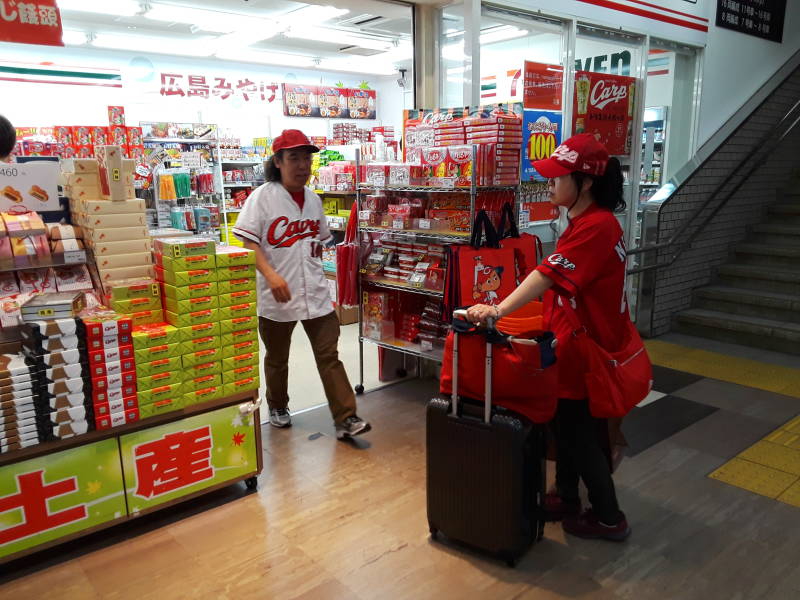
{"x": 587, "y": 271}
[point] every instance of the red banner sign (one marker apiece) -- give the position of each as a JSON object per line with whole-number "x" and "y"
{"x": 34, "y": 22}
{"x": 542, "y": 86}
{"x": 603, "y": 105}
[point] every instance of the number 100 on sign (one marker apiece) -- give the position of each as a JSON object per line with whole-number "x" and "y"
{"x": 542, "y": 136}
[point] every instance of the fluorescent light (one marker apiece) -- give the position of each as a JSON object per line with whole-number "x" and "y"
{"x": 71, "y": 37}
{"x": 207, "y": 20}
{"x": 160, "y": 45}
{"x": 313, "y": 14}
{"x": 269, "y": 58}
{"x": 335, "y": 36}
{"x": 116, "y": 8}
{"x": 367, "y": 67}
{"x": 501, "y": 34}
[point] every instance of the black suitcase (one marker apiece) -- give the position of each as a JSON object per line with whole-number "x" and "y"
{"x": 485, "y": 472}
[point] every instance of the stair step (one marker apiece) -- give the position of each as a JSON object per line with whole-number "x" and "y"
{"x": 775, "y": 234}
{"x": 785, "y": 281}
{"x": 752, "y": 331}
{"x": 784, "y": 212}
{"x": 752, "y": 302}
{"x": 768, "y": 254}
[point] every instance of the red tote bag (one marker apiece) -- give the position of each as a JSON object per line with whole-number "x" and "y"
{"x": 486, "y": 272}
{"x": 347, "y": 264}
{"x": 524, "y": 375}
{"x": 527, "y": 247}
{"x": 615, "y": 381}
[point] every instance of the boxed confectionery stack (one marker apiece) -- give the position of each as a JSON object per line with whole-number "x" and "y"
{"x": 23, "y": 418}
{"x": 113, "y": 220}
{"x": 209, "y": 298}
{"x": 112, "y": 370}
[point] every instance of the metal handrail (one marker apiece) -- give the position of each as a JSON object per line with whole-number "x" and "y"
{"x": 773, "y": 137}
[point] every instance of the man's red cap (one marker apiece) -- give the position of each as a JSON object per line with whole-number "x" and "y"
{"x": 581, "y": 152}
{"x": 292, "y": 138}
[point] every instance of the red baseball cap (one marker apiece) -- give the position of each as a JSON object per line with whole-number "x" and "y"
{"x": 292, "y": 138}
{"x": 581, "y": 152}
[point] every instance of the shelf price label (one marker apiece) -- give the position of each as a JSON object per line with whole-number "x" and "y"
{"x": 73, "y": 257}
{"x": 397, "y": 224}
{"x": 426, "y": 346}
{"x": 424, "y": 223}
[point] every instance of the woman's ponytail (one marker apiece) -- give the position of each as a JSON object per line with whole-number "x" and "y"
{"x": 607, "y": 189}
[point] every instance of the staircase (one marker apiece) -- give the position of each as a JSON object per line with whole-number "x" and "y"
{"x": 756, "y": 298}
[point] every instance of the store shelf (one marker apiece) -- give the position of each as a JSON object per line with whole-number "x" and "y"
{"x": 243, "y": 162}
{"x": 232, "y": 210}
{"x": 437, "y": 354}
{"x": 427, "y": 189}
{"x": 75, "y": 257}
{"x": 337, "y": 193}
{"x": 393, "y": 284}
{"x": 233, "y": 184}
{"x": 425, "y": 234}
{"x": 649, "y": 185}
{"x": 178, "y": 141}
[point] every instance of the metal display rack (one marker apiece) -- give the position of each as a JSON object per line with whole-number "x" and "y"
{"x": 412, "y": 349}
{"x": 224, "y": 210}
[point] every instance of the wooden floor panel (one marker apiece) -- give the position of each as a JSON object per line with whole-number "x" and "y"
{"x": 333, "y": 520}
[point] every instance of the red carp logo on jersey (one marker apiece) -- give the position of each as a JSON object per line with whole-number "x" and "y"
{"x": 284, "y": 234}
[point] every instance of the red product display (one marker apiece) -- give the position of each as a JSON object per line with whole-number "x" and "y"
{"x": 100, "y": 329}
{"x": 109, "y": 355}
{"x": 117, "y": 419}
{"x": 603, "y": 106}
{"x": 98, "y": 135}
{"x": 119, "y": 380}
{"x": 112, "y": 368}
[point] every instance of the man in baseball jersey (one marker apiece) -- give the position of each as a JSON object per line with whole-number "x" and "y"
{"x": 283, "y": 222}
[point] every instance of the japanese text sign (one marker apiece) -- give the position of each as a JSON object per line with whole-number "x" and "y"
{"x": 32, "y": 22}
{"x": 542, "y": 86}
{"x": 166, "y": 462}
{"x": 603, "y": 105}
{"x": 541, "y": 131}
{"x": 52, "y": 496}
{"x": 221, "y": 88}
{"x": 761, "y": 18}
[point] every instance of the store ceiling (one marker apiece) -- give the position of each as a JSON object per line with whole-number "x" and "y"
{"x": 365, "y": 36}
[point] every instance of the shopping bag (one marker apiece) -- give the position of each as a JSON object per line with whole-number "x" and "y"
{"x": 527, "y": 247}
{"x": 615, "y": 381}
{"x": 347, "y": 264}
{"x": 485, "y": 271}
{"x": 524, "y": 374}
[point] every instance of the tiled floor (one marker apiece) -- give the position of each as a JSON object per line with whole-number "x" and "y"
{"x": 334, "y": 520}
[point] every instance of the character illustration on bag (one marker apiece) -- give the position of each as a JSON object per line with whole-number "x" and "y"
{"x": 487, "y": 282}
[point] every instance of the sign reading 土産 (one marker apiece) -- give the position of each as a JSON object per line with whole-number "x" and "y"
{"x": 33, "y": 22}
{"x": 603, "y": 105}
{"x": 761, "y": 18}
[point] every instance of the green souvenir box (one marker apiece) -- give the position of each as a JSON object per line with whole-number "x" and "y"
{"x": 239, "y": 373}
{"x": 244, "y": 309}
{"x": 186, "y": 277}
{"x": 159, "y": 334}
{"x": 145, "y": 355}
{"x": 236, "y": 272}
{"x": 186, "y": 263}
{"x": 229, "y": 256}
{"x": 202, "y": 382}
{"x": 192, "y": 332}
{"x": 161, "y": 407}
{"x": 204, "y": 395}
{"x": 226, "y": 286}
{"x": 238, "y": 348}
{"x": 162, "y": 365}
{"x": 201, "y": 356}
{"x": 238, "y": 323}
{"x": 191, "y": 305}
{"x": 199, "y": 343}
{"x": 161, "y": 392}
{"x": 241, "y": 335}
{"x": 241, "y": 360}
{"x": 185, "y": 292}
{"x": 133, "y": 305}
{"x": 180, "y": 247}
{"x": 159, "y": 379}
{"x": 242, "y": 385}
{"x": 202, "y": 369}
{"x": 147, "y": 317}
{"x": 127, "y": 289}
{"x": 192, "y": 318}
{"x": 239, "y": 297}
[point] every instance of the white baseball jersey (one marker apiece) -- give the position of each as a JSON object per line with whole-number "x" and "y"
{"x": 290, "y": 239}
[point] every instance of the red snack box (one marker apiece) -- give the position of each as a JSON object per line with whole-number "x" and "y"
{"x": 69, "y": 151}
{"x": 116, "y": 115}
{"x": 100, "y": 328}
{"x": 84, "y": 152}
{"x": 99, "y": 135}
{"x": 63, "y": 134}
{"x": 104, "y": 409}
{"x": 116, "y": 395}
{"x": 81, "y": 135}
{"x": 135, "y": 152}
{"x": 112, "y": 354}
{"x": 117, "y": 135}
{"x": 133, "y": 136}
{"x": 117, "y": 381}
{"x": 477, "y": 121}
{"x": 110, "y": 341}
{"x": 112, "y": 368}
{"x": 117, "y": 419}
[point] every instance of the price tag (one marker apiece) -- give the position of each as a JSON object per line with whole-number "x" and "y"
{"x": 191, "y": 160}
{"x": 448, "y": 182}
{"x": 362, "y": 270}
{"x": 142, "y": 170}
{"x": 397, "y": 224}
{"x": 416, "y": 280}
{"x": 379, "y": 180}
{"x": 422, "y": 267}
{"x": 424, "y": 223}
{"x": 32, "y": 186}
{"x": 73, "y": 257}
{"x": 524, "y": 218}
{"x": 426, "y": 346}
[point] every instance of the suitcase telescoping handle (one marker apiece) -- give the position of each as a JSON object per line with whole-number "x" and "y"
{"x": 487, "y": 390}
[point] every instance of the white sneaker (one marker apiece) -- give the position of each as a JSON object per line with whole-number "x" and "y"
{"x": 280, "y": 417}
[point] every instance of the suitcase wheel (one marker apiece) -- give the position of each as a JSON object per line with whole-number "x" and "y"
{"x": 434, "y": 532}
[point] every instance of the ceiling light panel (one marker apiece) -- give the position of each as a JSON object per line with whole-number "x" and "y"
{"x": 267, "y": 58}
{"x": 160, "y": 45}
{"x": 115, "y": 8}
{"x": 71, "y": 37}
{"x": 336, "y": 36}
{"x": 207, "y": 20}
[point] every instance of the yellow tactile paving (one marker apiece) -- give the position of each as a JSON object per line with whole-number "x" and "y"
{"x": 753, "y": 477}
{"x": 784, "y": 438}
{"x": 791, "y": 495}
{"x": 752, "y": 373}
{"x": 775, "y": 456}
